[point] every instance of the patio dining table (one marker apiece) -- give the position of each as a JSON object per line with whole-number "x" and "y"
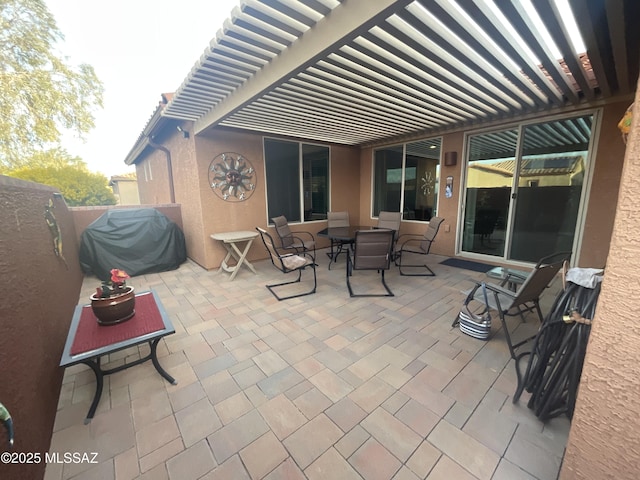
{"x": 342, "y": 236}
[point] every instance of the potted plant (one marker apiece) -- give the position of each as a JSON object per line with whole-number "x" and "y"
{"x": 114, "y": 301}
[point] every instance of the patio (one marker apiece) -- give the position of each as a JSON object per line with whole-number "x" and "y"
{"x": 318, "y": 387}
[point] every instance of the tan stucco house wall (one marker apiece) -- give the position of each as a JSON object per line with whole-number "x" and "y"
{"x": 604, "y": 440}
{"x": 205, "y": 213}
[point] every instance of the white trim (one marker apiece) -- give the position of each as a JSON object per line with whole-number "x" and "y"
{"x": 585, "y": 196}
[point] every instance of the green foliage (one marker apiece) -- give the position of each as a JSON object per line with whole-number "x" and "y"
{"x": 78, "y": 186}
{"x": 40, "y": 94}
{"x": 54, "y": 157}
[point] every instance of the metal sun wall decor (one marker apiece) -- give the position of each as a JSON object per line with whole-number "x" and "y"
{"x": 428, "y": 182}
{"x": 232, "y": 177}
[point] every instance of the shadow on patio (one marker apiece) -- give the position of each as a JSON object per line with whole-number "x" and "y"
{"x": 319, "y": 387}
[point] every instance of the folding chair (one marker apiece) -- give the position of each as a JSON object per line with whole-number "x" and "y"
{"x": 371, "y": 251}
{"x": 504, "y": 301}
{"x": 295, "y": 241}
{"x": 288, "y": 262}
{"x": 411, "y": 243}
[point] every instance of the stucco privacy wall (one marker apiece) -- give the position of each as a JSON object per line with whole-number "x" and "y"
{"x": 604, "y": 441}
{"x": 39, "y": 293}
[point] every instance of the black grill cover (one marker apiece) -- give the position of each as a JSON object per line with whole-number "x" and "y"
{"x": 138, "y": 241}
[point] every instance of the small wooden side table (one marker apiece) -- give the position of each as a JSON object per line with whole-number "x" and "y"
{"x": 231, "y": 240}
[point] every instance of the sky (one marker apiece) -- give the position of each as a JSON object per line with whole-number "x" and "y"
{"x": 139, "y": 50}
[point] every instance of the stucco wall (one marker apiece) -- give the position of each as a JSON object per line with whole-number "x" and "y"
{"x": 610, "y": 154}
{"x": 220, "y": 216}
{"x": 187, "y": 192}
{"x": 153, "y": 178}
{"x": 604, "y": 440}
{"x": 203, "y": 213}
{"x": 447, "y": 207}
{"x": 39, "y": 293}
{"x": 154, "y": 184}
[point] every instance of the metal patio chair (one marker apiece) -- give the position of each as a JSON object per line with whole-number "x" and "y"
{"x": 288, "y": 262}
{"x": 289, "y": 240}
{"x": 337, "y": 220}
{"x": 526, "y": 298}
{"x": 371, "y": 251}
{"x": 392, "y": 221}
{"x": 410, "y": 244}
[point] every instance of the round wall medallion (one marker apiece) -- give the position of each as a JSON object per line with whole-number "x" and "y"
{"x": 232, "y": 177}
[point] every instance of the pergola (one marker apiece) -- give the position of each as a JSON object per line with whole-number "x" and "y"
{"x": 363, "y": 72}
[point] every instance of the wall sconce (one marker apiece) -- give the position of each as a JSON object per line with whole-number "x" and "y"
{"x": 450, "y": 158}
{"x": 185, "y": 134}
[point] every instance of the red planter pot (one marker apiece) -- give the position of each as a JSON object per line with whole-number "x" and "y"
{"x": 114, "y": 309}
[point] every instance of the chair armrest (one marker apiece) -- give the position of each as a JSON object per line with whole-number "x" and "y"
{"x": 408, "y": 238}
{"x": 498, "y": 289}
{"x": 512, "y": 278}
{"x": 305, "y": 233}
{"x": 515, "y": 276}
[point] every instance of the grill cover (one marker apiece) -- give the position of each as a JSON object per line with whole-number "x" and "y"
{"x": 139, "y": 241}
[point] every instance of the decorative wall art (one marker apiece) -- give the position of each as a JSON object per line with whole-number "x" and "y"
{"x": 232, "y": 177}
{"x": 448, "y": 188}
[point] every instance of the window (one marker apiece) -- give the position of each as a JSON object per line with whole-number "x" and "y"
{"x": 406, "y": 178}
{"x": 297, "y": 176}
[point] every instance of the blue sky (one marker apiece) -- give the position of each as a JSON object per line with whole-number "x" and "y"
{"x": 139, "y": 49}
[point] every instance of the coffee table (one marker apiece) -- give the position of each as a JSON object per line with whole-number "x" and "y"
{"x": 88, "y": 341}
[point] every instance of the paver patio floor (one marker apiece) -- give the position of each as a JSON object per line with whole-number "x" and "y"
{"x": 318, "y": 387}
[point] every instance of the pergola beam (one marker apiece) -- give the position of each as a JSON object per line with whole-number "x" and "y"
{"x": 343, "y": 24}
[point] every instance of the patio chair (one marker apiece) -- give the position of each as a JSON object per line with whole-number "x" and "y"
{"x": 371, "y": 251}
{"x": 390, "y": 220}
{"x": 288, "y": 262}
{"x": 412, "y": 243}
{"x": 336, "y": 220}
{"x": 527, "y": 296}
{"x": 288, "y": 240}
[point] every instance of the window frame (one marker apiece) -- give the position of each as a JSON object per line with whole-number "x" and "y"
{"x": 301, "y": 180}
{"x": 403, "y": 146}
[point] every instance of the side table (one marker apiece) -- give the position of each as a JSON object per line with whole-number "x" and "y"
{"x": 231, "y": 240}
{"x": 88, "y": 341}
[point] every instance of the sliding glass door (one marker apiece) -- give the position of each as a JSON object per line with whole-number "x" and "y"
{"x": 524, "y": 188}
{"x": 488, "y": 192}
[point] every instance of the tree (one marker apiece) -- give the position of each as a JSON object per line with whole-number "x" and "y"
{"x": 40, "y": 94}
{"x": 54, "y": 157}
{"x": 78, "y": 185}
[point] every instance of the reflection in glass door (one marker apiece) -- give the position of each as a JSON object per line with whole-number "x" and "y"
{"x": 524, "y": 189}
{"x": 488, "y": 193}
{"x": 549, "y": 189}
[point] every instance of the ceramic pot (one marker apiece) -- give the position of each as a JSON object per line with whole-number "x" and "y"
{"x": 114, "y": 309}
